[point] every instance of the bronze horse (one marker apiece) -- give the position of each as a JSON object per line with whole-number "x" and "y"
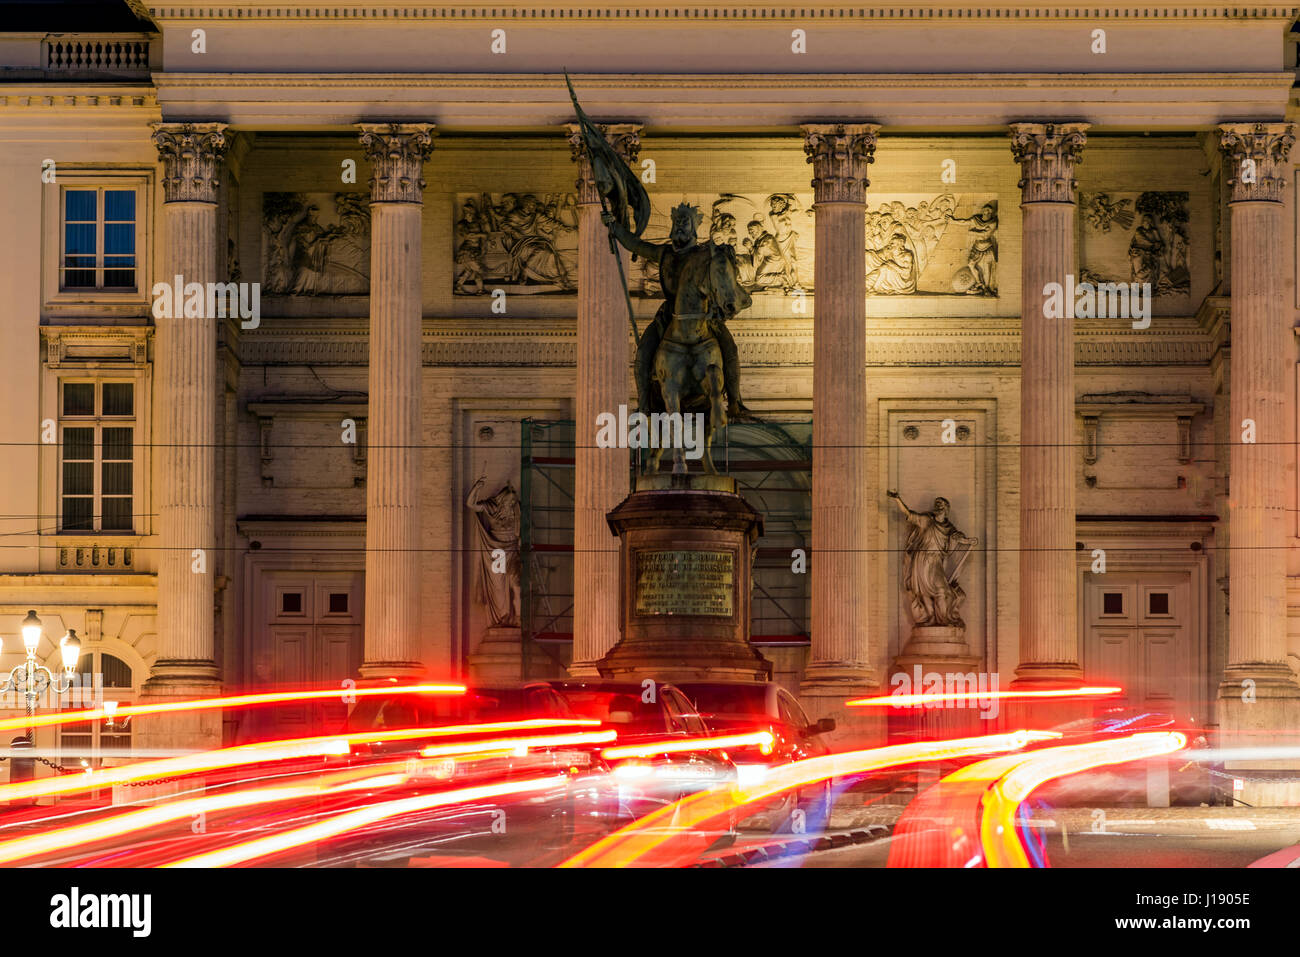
{"x": 680, "y": 364}
{"x": 687, "y": 366}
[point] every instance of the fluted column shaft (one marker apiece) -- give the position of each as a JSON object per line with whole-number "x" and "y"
{"x": 1049, "y": 628}
{"x": 392, "y": 631}
{"x": 604, "y": 358}
{"x": 841, "y": 488}
{"x": 186, "y": 362}
{"x": 1262, "y": 347}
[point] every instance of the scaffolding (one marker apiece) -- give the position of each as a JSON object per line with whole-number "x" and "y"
{"x": 771, "y": 462}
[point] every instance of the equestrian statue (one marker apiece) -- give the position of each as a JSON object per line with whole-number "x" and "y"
{"x": 686, "y": 360}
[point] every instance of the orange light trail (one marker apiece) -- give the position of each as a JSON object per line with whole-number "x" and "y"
{"x": 230, "y": 701}
{"x": 1001, "y": 803}
{"x": 907, "y": 700}
{"x": 267, "y": 751}
{"x": 351, "y": 820}
{"x": 130, "y": 822}
{"x": 643, "y": 841}
{"x": 763, "y": 739}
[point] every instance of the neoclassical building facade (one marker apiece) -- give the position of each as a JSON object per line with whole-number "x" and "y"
{"x": 311, "y": 489}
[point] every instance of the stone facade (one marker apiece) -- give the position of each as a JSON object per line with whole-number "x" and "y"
{"x": 328, "y": 448}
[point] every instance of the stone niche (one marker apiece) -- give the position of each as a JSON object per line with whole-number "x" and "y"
{"x": 921, "y": 467}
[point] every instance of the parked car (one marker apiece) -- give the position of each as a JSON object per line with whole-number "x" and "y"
{"x": 736, "y": 708}
{"x": 644, "y": 715}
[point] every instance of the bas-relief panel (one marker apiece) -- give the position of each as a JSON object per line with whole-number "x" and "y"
{"x": 916, "y": 244}
{"x": 523, "y": 243}
{"x": 316, "y": 244}
{"x": 1136, "y": 237}
{"x": 932, "y": 245}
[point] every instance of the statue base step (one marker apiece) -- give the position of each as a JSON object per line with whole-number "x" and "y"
{"x": 497, "y": 657}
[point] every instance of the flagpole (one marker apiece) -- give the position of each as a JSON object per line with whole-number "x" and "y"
{"x": 622, "y": 278}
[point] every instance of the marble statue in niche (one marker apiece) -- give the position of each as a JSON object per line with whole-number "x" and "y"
{"x": 316, "y": 244}
{"x": 931, "y": 588}
{"x": 1137, "y": 237}
{"x": 496, "y": 529}
{"x": 520, "y": 242}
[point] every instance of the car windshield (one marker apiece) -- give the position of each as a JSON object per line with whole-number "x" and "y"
{"x": 409, "y": 711}
{"x": 617, "y": 708}
{"x": 729, "y": 702}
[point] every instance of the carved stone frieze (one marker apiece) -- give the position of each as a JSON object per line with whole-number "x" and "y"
{"x": 315, "y": 244}
{"x": 1137, "y": 238}
{"x": 1047, "y": 154}
{"x": 1256, "y": 155}
{"x": 191, "y": 155}
{"x": 523, "y": 243}
{"x": 840, "y": 154}
{"x": 397, "y": 152}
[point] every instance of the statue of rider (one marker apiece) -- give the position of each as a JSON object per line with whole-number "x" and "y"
{"x": 683, "y": 240}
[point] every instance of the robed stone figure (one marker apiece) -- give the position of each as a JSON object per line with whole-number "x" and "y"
{"x": 496, "y": 527}
{"x": 932, "y": 589}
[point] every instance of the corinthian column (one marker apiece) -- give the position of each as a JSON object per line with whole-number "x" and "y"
{"x": 186, "y": 361}
{"x": 1049, "y": 627}
{"x": 841, "y": 488}
{"x": 604, "y": 357}
{"x": 1258, "y": 693}
{"x": 397, "y": 153}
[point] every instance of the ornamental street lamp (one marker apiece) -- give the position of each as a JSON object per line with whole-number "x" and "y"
{"x": 32, "y": 678}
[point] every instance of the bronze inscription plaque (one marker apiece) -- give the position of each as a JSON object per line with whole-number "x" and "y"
{"x": 685, "y": 583}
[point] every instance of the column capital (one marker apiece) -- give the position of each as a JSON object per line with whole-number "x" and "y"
{"x": 397, "y": 152}
{"x": 840, "y": 154}
{"x": 1257, "y": 153}
{"x": 1047, "y": 154}
{"x": 191, "y": 155}
{"x": 624, "y": 138}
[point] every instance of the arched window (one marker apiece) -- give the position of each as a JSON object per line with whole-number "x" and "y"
{"x": 108, "y": 739}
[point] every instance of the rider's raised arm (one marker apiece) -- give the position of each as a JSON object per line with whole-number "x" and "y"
{"x": 630, "y": 242}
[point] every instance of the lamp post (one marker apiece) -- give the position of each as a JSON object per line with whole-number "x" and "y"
{"x": 33, "y": 678}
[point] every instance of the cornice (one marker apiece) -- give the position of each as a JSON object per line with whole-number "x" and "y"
{"x": 756, "y": 10}
{"x": 658, "y": 81}
{"x": 748, "y": 102}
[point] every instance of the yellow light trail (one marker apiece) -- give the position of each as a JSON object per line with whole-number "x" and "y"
{"x": 639, "y": 840}
{"x": 1001, "y": 803}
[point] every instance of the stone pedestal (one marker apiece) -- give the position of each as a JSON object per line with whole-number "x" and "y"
{"x": 685, "y": 559}
{"x": 496, "y": 658}
{"x": 937, "y": 648}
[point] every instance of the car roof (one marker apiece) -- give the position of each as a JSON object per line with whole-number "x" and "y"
{"x": 616, "y": 687}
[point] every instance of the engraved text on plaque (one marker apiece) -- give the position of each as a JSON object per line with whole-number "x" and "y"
{"x": 685, "y": 583}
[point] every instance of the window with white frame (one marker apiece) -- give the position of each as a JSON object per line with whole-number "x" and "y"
{"x": 99, "y": 239}
{"x": 87, "y": 743}
{"x": 97, "y": 450}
